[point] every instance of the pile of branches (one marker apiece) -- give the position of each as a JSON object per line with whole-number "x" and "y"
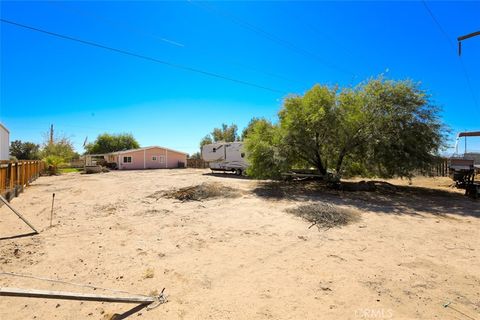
{"x": 324, "y": 215}
{"x": 201, "y": 192}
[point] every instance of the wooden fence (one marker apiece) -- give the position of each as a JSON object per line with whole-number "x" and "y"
{"x": 440, "y": 168}
{"x": 197, "y": 163}
{"x": 16, "y": 175}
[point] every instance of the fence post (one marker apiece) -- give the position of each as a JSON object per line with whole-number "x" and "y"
{"x": 24, "y": 174}
{"x": 3, "y": 178}
{"x": 10, "y": 178}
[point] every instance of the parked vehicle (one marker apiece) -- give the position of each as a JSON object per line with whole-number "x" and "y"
{"x": 464, "y": 168}
{"x": 225, "y": 156}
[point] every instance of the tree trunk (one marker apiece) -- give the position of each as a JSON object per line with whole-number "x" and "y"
{"x": 341, "y": 156}
{"x": 318, "y": 163}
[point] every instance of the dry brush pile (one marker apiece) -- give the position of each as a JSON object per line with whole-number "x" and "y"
{"x": 324, "y": 215}
{"x": 199, "y": 192}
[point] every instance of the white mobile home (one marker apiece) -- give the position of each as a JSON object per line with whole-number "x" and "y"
{"x": 4, "y": 143}
{"x": 225, "y": 156}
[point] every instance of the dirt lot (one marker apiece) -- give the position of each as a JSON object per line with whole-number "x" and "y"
{"x": 243, "y": 256}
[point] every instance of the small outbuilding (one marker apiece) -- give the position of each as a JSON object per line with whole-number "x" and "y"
{"x": 153, "y": 157}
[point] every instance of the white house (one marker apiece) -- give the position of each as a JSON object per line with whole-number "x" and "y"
{"x": 4, "y": 143}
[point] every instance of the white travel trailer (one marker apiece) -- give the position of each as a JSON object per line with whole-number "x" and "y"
{"x": 225, "y": 156}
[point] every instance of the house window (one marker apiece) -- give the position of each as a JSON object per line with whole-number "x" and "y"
{"x": 127, "y": 159}
{"x": 162, "y": 159}
{"x": 154, "y": 158}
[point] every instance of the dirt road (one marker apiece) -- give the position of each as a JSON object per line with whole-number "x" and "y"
{"x": 242, "y": 257}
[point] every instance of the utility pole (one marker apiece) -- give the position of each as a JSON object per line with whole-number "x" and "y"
{"x": 51, "y": 135}
{"x": 461, "y": 38}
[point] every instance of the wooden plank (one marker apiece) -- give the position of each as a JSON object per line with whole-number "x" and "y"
{"x": 64, "y": 295}
{"x": 17, "y": 213}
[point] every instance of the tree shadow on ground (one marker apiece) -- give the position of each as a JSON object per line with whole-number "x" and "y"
{"x": 226, "y": 175}
{"x": 397, "y": 200}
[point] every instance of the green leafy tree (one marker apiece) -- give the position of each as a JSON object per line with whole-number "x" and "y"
{"x": 206, "y": 140}
{"x": 226, "y": 133}
{"x": 407, "y": 131}
{"x": 106, "y": 143}
{"x": 264, "y": 150}
{"x": 196, "y": 155}
{"x": 308, "y": 125}
{"x": 24, "y": 150}
{"x": 248, "y": 129}
{"x": 60, "y": 147}
{"x": 381, "y": 127}
{"x": 53, "y": 162}
{"x": 58, "y": 152}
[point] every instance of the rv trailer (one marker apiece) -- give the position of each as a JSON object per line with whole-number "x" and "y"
{"x": 225, "y": 156}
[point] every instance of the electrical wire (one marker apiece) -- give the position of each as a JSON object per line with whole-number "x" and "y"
{"x": 268, "y": 35}
{"x": 331, "y": 39}
{"x": 141, "y": 32}
{"x": 116, "y": 24}
{"x": 452, "y": 44}
{"x": 140, "y": 56}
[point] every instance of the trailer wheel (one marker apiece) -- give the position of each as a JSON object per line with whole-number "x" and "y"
{"x": 238, "y": 172}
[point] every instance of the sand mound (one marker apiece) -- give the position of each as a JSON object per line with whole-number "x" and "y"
{"x": 324, "y": 215}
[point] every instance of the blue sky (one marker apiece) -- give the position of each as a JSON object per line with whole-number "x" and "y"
{"x": 285, "y": 46}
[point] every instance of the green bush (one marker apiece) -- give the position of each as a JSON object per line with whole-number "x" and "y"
{"x": 53, "y": 163}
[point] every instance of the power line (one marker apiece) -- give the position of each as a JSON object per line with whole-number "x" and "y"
{"x": 268, "y": 35}
{"x": 116, "y": 24}
{"x": 445, "y": 34}
{"x": 452, "y": 45}
{"x": 170, "y": 64}
{"x": 334, "y": 41}
{"x": 141, "y": 32}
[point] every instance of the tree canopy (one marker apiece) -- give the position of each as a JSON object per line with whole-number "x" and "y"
{"x": 195, "y": 155}
{"x": 24, "y": 150}
{"x": 106, "y": 143}
{"x": 61, "y": 147}
{"x": 57, "y": 152}
{"x": 381, "y": 127}
{"x": 226, "y": 133}
{"x": 249, "y": 128}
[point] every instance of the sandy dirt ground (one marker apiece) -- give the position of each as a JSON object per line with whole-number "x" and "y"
{"x": 414, "y": 250}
